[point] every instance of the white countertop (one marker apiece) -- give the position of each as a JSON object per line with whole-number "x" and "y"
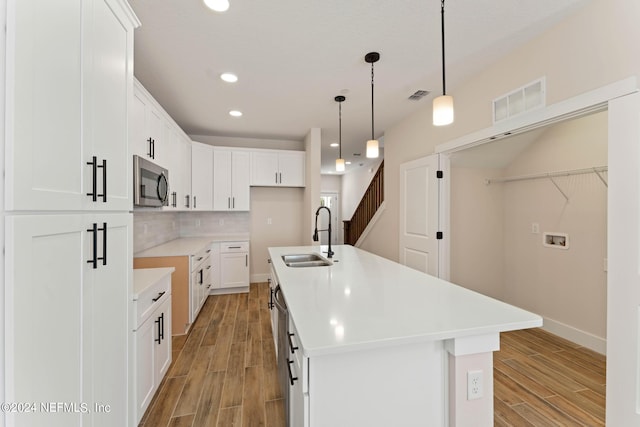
{"x": 186, "y": 246}
{"x": 364, "y": 301}
{"x": 145, "y": 277}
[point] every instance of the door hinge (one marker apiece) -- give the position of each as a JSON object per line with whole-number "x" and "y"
{"x": 439, "y": 174}
{"x": 439, "y": 235}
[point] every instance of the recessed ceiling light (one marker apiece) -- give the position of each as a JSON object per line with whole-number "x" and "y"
{"x": 333, "y": 144}
{"x": 217, "y": 5}
{"x": 235, "y": 113}
{"x": 229, "y": 77}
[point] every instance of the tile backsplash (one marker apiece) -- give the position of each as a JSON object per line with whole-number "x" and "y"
{"x": 154, "y": 228}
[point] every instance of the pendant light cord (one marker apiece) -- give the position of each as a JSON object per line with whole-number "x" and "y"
{"x": 444, "y": 85}
{"x": 372, "y": 101}
{"x": 340, "y": 128}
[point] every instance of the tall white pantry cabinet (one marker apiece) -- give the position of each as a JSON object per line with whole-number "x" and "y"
{"x": 67, "y": 212}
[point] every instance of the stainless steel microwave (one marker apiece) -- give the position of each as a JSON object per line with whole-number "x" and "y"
{"x": 150, "y": 184}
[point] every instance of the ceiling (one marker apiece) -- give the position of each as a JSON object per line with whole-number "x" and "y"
{"x": 293, "y": 57}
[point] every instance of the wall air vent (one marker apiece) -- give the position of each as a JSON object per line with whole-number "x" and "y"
{"x": 419, "y": 94}
{"x": 522, "y": 100}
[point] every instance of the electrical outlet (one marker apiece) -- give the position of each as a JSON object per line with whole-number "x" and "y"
{"x": 474, "y": 385}
{"x": 269, "y": 222}
{"x": 535, "y": 228}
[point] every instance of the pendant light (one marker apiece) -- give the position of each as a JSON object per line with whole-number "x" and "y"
{"x": 372, "y": 145}
{"x": 443, "y": 105}
{"x": 340, "y": 161}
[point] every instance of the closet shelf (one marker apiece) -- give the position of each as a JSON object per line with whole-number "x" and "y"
{"x": 550, "y": 175}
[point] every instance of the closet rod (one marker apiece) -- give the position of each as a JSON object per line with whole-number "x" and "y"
{"x": 597, "y": 170}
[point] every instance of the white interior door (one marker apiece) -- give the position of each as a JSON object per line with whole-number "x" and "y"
{"x": 421, "y": 197}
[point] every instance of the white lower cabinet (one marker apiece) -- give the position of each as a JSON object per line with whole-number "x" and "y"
{"x": 234, "y": 265}
{"x": 273, "y": 282}
{"x": 152, "y": 342}
{"x": 200, "y": 282}
{"x": 66, "y": 321}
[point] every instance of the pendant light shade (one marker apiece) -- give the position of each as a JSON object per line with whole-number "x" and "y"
{"x": 372, "y": 145}
{"x": 443, "y": 105}
{"x": 372, "y": 149}
{"x": 339, "y": 161}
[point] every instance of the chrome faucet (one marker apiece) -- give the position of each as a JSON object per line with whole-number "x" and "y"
{"x": 315, "y": 232}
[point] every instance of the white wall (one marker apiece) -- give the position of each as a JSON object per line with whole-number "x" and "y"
{"x": 494, "y": 251}
{"x": 277, "y": 216}
{"x": 312, "y": 144}
{"x": 592, "y": 48}
{"x": 565, "y": 286}
{"x": 477, "y": 239}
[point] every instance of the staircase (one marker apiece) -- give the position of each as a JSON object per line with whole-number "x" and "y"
{"x": 368, "y": 206}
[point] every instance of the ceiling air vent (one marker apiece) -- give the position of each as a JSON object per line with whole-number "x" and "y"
{"x": 522, "y": 100}
{"x": 419, "y": 94}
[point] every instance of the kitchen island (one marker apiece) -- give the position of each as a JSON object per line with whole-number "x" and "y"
{"x": 380, "y": 344}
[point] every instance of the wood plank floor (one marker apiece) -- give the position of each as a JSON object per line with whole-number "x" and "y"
{"x": 543, "y": 380}
{"x": 224, "y": 371}
{"x": 224, "y": 374}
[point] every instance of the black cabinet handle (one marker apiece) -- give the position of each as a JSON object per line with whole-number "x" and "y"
{"x": 162, "y": 326}
{"x": 194, "y": 202}
{"x": 94, "y": 187}
{"x": 270, "y": 304}
{"x": 276, "y": 177}
{"x": 158, "y": 297}
{"x": 94, "y": 256}
{"x": 104, "y": 181}
{"x": 234, "y": 247}
{"x": 150, "y": 153}
{"x": 159, "y": 339}
{"x": 153, "y": 148}
{"x": 174, "y": 198}
{"x": 104, "y": 243}
{"x": 246, "y": 260}
{"x": 187, "y": 203}
{"x": 228, "y": 202}
{"x": 293, "y": 349}
{"x": 291, "y": 377}
{"x": 201, "y": 278}
{"x": 280, "y": 177}
{"x": 233, "y": 202}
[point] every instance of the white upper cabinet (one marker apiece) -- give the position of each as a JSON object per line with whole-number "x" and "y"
{"x": 69, "y": 66}
{"x": 231, "y": 171}
{"x": 201, "y": 177}
{"x": 278, "y": 168}
{"x": 151, "y": 133}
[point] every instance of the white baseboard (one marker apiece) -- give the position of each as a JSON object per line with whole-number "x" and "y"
{"x": 577, "y": 336}
{"x": 259, "y": 278}
{"x": 224, "y": 291}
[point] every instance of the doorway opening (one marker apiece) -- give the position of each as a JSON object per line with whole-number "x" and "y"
{"x": 331, "y": 200}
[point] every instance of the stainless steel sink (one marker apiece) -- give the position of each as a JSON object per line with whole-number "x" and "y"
{"x": 305, "y": 260}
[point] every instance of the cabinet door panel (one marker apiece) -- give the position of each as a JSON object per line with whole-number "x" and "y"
{"x": 162, "y": 350}
{"x": 106, "y": 311}
{"x": 240, "y": 179}
{"x": 44, "y": 160}
{"x": 235, "y": 270}
{"x": 264, "y": 168}
{"x": 222, "y": 180}
{"x": 201, "y": 177}
{"x": 292, "y": 170}
{"x": 139, "y": 136}
{"x": 145, "y": 367}
{"x": 44, "y": 314}
{"x": 107, "y": 88}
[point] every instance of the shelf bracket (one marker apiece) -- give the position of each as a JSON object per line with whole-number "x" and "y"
{"x": 597, "y": 172}
{"x": 559, "y": 189}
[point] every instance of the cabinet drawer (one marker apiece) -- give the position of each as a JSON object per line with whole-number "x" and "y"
{"x": 200, "y": 258}
{"x": 227, "y": 247}
{"x": 150, "y": 298}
